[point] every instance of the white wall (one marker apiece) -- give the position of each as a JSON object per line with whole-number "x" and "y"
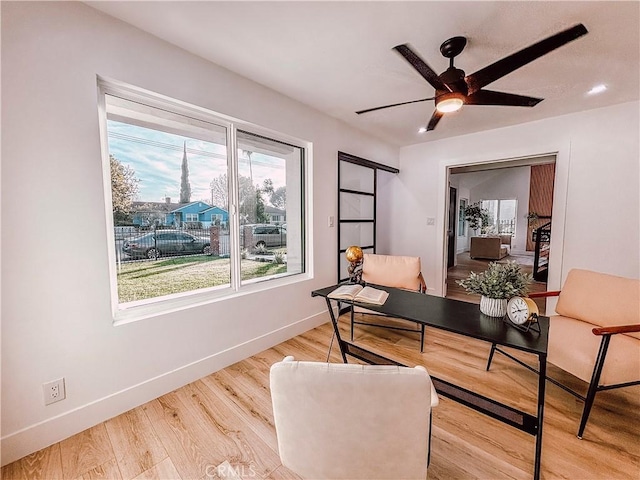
{"x": 596, "y": 211}
{"x": 56, "y": 319}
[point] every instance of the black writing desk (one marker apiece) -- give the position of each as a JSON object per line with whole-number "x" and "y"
{"x": 464, "y": 319}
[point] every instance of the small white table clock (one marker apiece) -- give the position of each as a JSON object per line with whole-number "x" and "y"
{"x": 522, "y": 312}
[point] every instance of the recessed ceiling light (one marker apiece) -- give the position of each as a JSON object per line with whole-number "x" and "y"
{"x": 597, "y": 89}
{"x": 422, "y": 129}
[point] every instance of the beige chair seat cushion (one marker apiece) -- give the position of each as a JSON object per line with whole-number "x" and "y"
{"x": 574, "y": 348}
{"x": 349, "y": 421}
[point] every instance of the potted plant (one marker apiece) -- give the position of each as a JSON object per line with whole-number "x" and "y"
{"x": 497, "y": 285}
{"x": 477, "y": 216}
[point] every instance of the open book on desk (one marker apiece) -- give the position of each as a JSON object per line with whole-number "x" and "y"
{"x": 358, "y": 293}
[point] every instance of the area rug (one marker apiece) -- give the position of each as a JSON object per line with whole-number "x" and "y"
{"x": 519, "y": 259}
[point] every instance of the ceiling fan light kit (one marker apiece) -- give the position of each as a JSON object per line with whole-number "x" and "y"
{"x": 449, "y": 102}
{"x": 454, "y": 88}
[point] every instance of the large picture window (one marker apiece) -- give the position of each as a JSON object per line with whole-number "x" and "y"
{"x": 192, "y": 201}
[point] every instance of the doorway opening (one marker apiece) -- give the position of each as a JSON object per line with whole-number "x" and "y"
{"x": 517, "y": 197}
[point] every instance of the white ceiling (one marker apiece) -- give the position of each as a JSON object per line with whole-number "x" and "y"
{"x": 337, "y": 57}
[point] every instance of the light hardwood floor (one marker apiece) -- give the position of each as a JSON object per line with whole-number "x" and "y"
{"x": 227, "y": 416}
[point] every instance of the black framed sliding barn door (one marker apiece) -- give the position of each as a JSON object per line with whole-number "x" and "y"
{"x": 357, "y": 184}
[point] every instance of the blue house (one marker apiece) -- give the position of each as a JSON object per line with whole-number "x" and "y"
{"x": 214, "y": 216}
{"x": 169, "y": 214}
{"x": 197, "y": 212}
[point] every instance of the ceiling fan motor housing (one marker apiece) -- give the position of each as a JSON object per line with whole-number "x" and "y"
{"x": 454, "y": 79}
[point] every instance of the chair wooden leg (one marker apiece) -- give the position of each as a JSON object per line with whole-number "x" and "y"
{"x": 430, "y": 437}
{"x": 493, "y": 350}
{"x": 593, "y": 385}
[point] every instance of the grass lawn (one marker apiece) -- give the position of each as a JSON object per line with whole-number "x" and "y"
{"x": 148, "y": 279}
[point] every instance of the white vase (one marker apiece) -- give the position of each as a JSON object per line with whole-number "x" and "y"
{"x": 494, "y": 307}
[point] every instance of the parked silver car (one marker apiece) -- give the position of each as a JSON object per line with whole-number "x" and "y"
{"x": 166, "y": 242}
{"x": 266, "y": 235}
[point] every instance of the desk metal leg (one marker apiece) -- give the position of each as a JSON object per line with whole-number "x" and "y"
{"x": 542, "y": 377}
{"x": 334, "y": 321}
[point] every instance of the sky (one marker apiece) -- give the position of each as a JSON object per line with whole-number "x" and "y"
{"x": 156, "y": 158}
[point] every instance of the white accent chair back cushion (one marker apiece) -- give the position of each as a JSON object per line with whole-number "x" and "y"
{"x": 392, "y": 270}
{"x": 349, "y": 421}
{"x": 592, "y": 299}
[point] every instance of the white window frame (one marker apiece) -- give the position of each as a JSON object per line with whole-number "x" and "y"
{"x": 125, "y": 313}
{"x": 189, "y": 217}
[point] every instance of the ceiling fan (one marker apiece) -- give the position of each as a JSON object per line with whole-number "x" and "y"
{"x": 455, "y": 89}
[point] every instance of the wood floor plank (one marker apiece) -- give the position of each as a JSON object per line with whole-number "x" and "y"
{"x": 45, "y": 463}
{"x": 135, "y": 444}
{"x": 248, "y": 401}
{"x": 85, "y": 451}
{"x": 283, "y": 473}
{"x": 188, "y": 446}
{"x": 165, "y": 470}
{"x": 238, "y": 444}
{"x": 470, "y": 461}
{"x": 107, "y": 471}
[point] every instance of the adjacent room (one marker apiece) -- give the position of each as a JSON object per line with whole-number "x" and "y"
{"x": 467, "y": 173}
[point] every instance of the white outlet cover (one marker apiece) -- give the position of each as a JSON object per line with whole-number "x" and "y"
{"x": 53, "y": 391}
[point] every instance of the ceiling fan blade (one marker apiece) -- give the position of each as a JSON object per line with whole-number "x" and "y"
{"x": 359, "y": 112}
{"x": 421, "y": 66}
{"x": 489, "y": 97}
{"x": 499, "y": 69}
{"x": 435, "y": 118}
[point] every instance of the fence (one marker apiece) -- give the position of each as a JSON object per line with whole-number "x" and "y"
{"x": 507, "y": 226}
{"x": 133, "y": 243}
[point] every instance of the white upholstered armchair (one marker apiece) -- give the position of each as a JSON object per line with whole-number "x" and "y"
{"x": 349, "y": 421}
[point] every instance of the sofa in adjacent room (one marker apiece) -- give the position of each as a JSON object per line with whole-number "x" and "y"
{"x": 488, "y": 248}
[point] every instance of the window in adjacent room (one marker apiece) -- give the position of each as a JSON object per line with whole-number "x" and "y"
{"x": 190, "y": 187}
{"x": 502, "y": 215}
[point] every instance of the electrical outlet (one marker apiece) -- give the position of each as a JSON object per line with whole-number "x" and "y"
{"x": 53, "y": 391}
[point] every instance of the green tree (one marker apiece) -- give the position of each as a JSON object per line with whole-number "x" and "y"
{"x": 279, "y": 197}
{"x": 246, "y": 193}
{"x": 261, "y": 216}
{"x": 124, "y": 188}
{"x": 185, "y": 187}
{"x": 267, "y": 186}
{"x": 219, "y": 188}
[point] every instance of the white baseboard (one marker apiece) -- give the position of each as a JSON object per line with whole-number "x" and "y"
{"x": 40, "y": 435}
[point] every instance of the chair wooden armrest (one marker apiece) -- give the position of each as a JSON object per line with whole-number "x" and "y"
{"x": 616, "y": 329}
{"x": 423, "y": 284}
{"x": 544, "y": 294}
